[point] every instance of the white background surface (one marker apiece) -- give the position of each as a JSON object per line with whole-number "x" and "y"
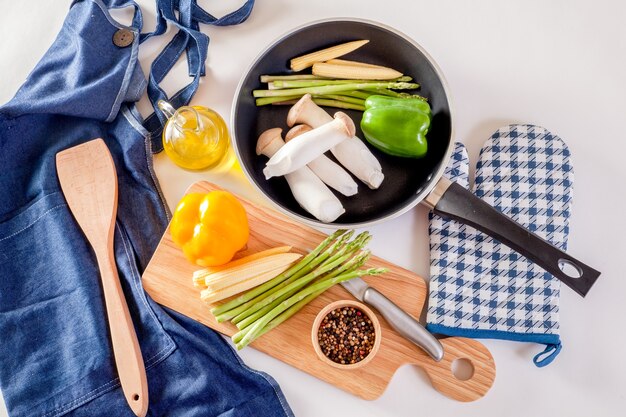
{"x": 558, "y": 64}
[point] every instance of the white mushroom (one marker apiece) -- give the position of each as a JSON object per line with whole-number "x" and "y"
{"x": 331, "y": 173}
{"x": 308, "y": 190}
{"x": 308, "y": 146}
{"x": 352, "y": 153}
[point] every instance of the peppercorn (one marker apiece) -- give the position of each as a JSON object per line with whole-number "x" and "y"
{"x": 346, "y": 335}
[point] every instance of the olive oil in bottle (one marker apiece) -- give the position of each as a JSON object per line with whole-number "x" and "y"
{"x": 196, "y": 137}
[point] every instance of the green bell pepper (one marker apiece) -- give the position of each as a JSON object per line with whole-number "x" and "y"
{"x": 397, "y": 126}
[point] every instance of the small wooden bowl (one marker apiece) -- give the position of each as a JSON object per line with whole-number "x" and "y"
{"x": 340, "y": 304}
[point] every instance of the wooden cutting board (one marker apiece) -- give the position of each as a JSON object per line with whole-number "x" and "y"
{"x": 168, "y": 281}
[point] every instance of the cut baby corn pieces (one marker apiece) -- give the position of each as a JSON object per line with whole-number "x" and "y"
{"x": 351, "y": 64}
{"x": 305, "y": 61}
{"x": 200, "y": 275}
{"x": 214, "y": 293}
{"x": 354, "y": 72}
{"x": 270, "y": 78}
{"x": 241, "y": 273}
{"x": 244, "y": 271}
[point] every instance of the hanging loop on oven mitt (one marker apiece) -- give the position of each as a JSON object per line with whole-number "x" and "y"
{"x": 481, "y": 288}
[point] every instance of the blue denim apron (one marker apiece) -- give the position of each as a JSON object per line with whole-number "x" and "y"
{"x": 55, "y": 354}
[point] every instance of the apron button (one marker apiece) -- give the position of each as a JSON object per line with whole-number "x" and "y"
{"x": 123, "y": 38}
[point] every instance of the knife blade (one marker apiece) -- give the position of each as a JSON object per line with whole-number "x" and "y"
{"x": 400, "y": 320}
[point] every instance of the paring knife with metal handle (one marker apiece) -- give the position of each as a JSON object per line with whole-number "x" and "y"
{"x": 401, "y": 321}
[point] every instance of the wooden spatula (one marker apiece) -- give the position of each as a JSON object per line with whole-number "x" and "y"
{"x": 89, "y": 182}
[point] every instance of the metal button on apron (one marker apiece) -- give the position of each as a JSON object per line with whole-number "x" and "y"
{"x": 123, "y": 38}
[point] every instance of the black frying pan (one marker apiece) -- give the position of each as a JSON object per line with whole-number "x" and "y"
{"x": 407, "y": 181}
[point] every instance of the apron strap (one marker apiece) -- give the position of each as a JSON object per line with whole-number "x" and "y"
{"x": 189, "y": 39}
{"x": 137, "y": 21}
{"x": 198, "y": 14}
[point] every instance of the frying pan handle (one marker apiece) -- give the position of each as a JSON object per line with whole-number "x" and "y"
{"x": 449, "y": 199}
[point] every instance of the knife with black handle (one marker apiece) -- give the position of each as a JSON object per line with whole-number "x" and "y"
{"x": 401, "y": 321}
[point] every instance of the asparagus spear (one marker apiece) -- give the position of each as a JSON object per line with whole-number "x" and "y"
{"x": 249, "y": 295}
{"x": 330, "y": 89}
{"x": 325, "y": 262}
{"x": 350, "y": 266}
{"x": 387, "y": 92}
{"x": 340, "y": 104}
{"x": 340, "y": 97}
{"x": 262, "y": 101}
{"x": 358, "y": 94}
{"x": 257, "y": 328}
{"x": 354, "y": 263}
{"x": 280, "y": 84}
{"x": 325, "y": 102}
{"x": 288, "y": 313}
{"x": 355, "y": 99}
{"x": 236, "y": 313}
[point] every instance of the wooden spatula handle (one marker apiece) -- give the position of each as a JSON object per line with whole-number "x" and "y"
{"x": 89, "y": 182}
{"x": 128, "y": 359}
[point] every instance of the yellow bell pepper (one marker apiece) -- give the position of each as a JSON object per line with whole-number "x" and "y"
{"x": 210, "y": 228}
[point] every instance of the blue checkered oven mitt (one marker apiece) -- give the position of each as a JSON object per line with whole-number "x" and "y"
{"x": 479, "y": 287}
